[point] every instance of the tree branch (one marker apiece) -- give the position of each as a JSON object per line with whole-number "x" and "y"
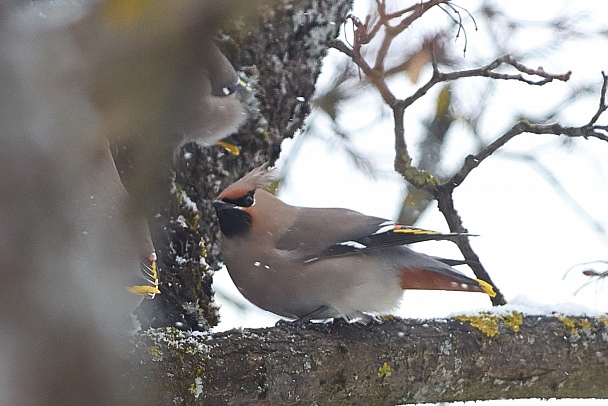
{"x": 488, "y": 72}
{"x": 396, "y": 362}
{"x": 472, "y": 161}
{"x": 603, "y": 106}
{"x": 445, "y": 204}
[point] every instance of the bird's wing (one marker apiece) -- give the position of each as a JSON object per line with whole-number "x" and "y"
{"x": 323, "y": 233}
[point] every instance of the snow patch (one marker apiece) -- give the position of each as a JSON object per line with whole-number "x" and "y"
{"x": 529, "y": 307}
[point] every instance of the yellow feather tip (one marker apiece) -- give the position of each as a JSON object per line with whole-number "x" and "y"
{"x": 415, "y": 231}
{"x": 143, "y": 290}
{"x": 233, "y": 149}
{"x": 487, "y": 288}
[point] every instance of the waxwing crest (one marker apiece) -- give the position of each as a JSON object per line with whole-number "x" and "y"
{"x": 259, "y": 177}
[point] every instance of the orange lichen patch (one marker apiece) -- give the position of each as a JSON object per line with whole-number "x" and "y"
{"x": 574, "y": 324}
{"x": 487, "y": 322}
{"x": 384, "y": 371}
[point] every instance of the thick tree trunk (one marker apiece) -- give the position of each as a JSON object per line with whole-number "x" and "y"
{"x": 396, "y": 362}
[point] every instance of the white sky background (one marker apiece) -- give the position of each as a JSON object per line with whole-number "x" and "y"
{"x": 529, "y": 235}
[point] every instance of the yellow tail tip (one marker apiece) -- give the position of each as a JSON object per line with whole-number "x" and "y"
{"x": 487, "y": 288}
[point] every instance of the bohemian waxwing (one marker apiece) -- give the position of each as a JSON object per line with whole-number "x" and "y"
{"x": 315, "y": 263}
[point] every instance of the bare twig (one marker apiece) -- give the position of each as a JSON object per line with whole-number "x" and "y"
{"x": 392, "y": 32}
{"x": 522, "y": 126}
{"x": 342, "y": 47}
{"x": 590, "y": 130}
{"x": 592, "y": 274}
{"x": 458, "y": 22}
{"x": 377, "y": 77}
{"x": 603, "y": 106}
{"x": 445, "y": 203}
{"x": 488, "y": 71}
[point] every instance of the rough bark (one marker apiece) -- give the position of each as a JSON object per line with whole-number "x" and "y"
{"x": 396, "y": 362}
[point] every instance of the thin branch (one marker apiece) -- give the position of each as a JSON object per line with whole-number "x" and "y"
{"x": 417, "y": 13}
{"x": 473, "y": 161}
{"x": 402, "y": 156}
{"x": 590, "y": 130}
{"x": 342, "y": 47}
{"x": 455, "y": 6}
{"x": 603, "y": 106}
{"x": 488, "y": 71}
{"x": 592, "y": 274}
{"x": 458, "y": 22}
{"x": 399, "y": 13}
{"x": 392, "y": 32}
{"x": 445, "y": 204}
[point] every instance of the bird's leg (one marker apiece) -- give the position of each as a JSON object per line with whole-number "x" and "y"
{"x": 360, "y": 318}
{"x": 300, "y": 321}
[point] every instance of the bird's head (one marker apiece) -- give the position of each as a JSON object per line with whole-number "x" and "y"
{"x": 236, "y": 205}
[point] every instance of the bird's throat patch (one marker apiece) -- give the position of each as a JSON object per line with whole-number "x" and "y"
{"x": 234, "y": 222}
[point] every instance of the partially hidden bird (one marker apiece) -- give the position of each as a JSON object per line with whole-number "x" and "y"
{"x": 318, "y": 263}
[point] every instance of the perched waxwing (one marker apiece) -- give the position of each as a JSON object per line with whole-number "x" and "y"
{"x": 315, "y": 263}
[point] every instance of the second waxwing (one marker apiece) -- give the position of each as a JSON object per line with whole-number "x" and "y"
{"x": 316, "y": 263}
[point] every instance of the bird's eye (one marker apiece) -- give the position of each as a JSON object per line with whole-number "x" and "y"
{"x": 248, "y": 200}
